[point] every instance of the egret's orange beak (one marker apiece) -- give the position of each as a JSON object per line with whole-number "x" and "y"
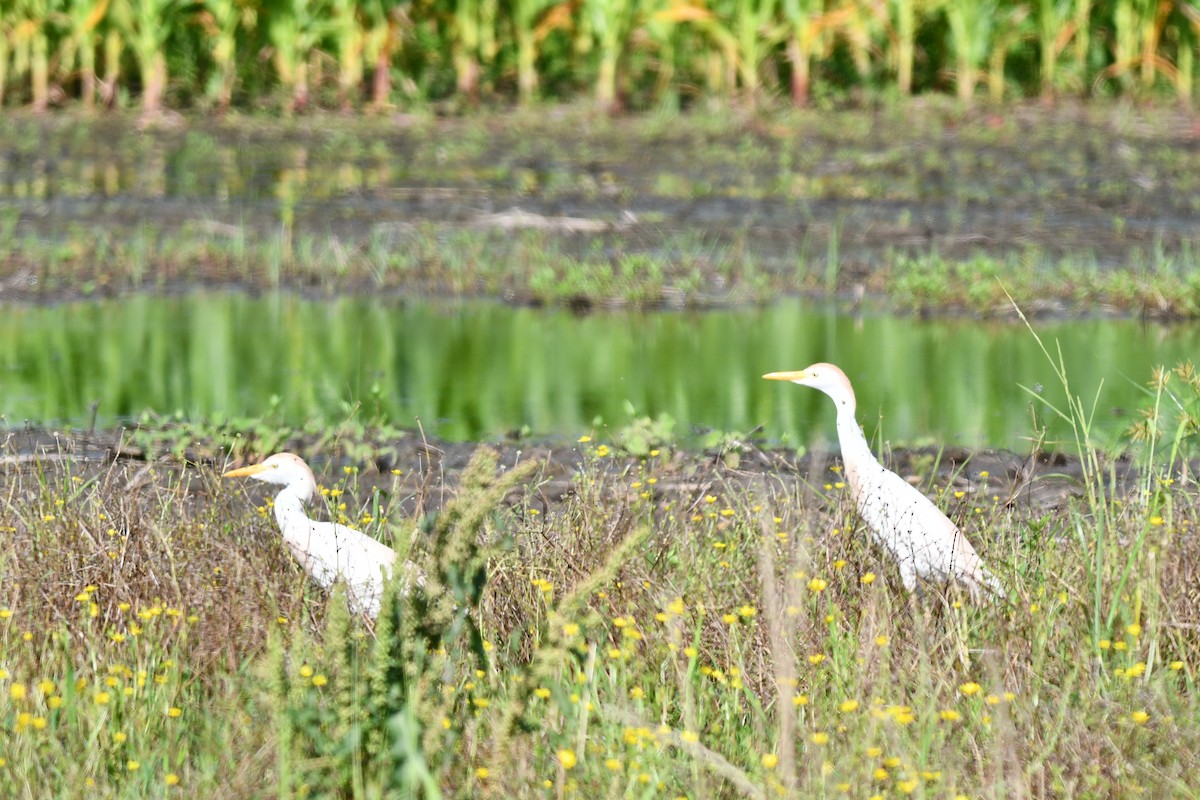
{"x": 253, "y": 469}
{"x": 795, "y": 375}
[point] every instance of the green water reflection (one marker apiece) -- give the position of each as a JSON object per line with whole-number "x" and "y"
{"x": 479, "y": 370}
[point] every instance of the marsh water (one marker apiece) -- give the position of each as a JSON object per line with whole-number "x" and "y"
{"x": 852, "y": 189}
{"x": 1104, "y": 184}
{"x": 483, "y": 369}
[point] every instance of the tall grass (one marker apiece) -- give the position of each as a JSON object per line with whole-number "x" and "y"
{"x": 648, "y": 626}
{"x": 627, "y": 50}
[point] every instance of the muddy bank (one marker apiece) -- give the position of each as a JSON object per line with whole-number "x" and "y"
{"x": 922, "y": 208}
{"x": 424, "y": 471}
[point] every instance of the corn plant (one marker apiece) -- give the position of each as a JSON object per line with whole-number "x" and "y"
{"x": 612, "y": 22}
{"x": 146, "y": 26}
{"x": 28, "y": 28}
{"x": 5, "y": 33}
{"x": 806, "y": 23}
{"x": 1009, "y": 28}
{"x": 114, "y": 48}
{"x": 295, "y": 27}
{"x": 1054, "y": 32}
{"x": 903, "y": 17}
{"x": 728, "y": 45}
{"x": 1128, "y": 17}
{"x": 861, "y": 24}
{"x": 722, "y": 57}
{"x": 744, "y": 31}
{"x": 971, "y": 25}
{"x": 666, "y": 29}
{"x": 1189, "y": 43}
{"x": 1139, "y": 27}
{"x": 750, "y": 22}
{"x": 532, "y": 21}
{"x": 82, "y": 18}
{"x": 382, "y": 40}
{"x": 221, "y": 21}
{"x": 1083, "y": 24}
{"x": 472, "y": 42}
{"x": 349, "y": 44}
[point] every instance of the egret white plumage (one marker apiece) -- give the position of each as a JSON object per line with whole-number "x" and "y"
{"x": 924, "y": 542}
{"x": 327, "y": 551}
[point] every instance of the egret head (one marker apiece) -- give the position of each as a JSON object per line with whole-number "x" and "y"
{"x": 828, "y": 378}
{"x": 281, "y": 469}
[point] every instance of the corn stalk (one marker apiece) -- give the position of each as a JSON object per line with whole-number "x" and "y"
{"x": 4, "y": 57}
{"x": 294, "y": 29}
{"x": 861, "y": 23}
{"x": 221, "y": 20}
{"x": 971, "y": 26}
{"x": 146, "y": 26}
{"x": 1010, "y": 28}
{"x": 470, "y": 20}
{"x": 114, "y": 46}
{"x": 1083, "y": 39}
{"x": 382, "y": 21}
{"x": 81, "y": 19}
{"x": 751, "y": 22}
{"x": 533, "y": 21}
{"x": 349, "y": 40}
{"x": 1055, "y": 29}
{"x": 1137, "y": 27}
{"x": 1188, "y": 45}
{"x": 743, "y": 31}
{"x": 612, "y": 22}
{"x": 903, "y": 14}
{"x": 805, "y": 20}
{"x": 665, "y": 30}
{"x": 28, "y": 22}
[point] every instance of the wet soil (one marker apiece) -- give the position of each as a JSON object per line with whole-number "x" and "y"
{"x": 1111, "y": 186}
{"x": 1033, "y": 483}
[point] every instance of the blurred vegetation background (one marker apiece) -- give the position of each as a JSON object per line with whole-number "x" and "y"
{"x": 287, "y": 55}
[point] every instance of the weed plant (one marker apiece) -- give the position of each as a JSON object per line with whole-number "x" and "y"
{"x": 535, "y": 268}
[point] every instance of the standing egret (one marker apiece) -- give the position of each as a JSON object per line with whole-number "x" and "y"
{"x": 923, "y": 540}
{"x": 326, "y": 550}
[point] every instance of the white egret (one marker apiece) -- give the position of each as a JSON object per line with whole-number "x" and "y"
{"x": 924, "y": 542}
{"x": 327, "y": 551}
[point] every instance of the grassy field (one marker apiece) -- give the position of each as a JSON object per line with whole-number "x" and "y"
{"x": 663, "y": 626}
